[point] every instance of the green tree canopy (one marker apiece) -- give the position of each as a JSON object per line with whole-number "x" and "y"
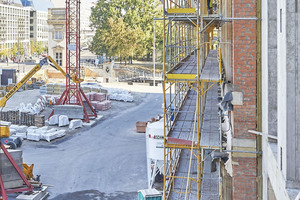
{"x": 135, "y": 17}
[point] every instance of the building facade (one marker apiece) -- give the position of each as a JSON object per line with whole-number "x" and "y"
{"x": 14, "y": 28}
{"x": 57, "y": 35}
{"x": 39, "y": 27}
{"x": 280, "y": 99}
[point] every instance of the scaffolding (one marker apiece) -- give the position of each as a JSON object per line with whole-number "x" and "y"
{"x": 193, "y": 73}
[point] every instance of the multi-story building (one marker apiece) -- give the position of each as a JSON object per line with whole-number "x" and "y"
{"x": 38, "y": 21}
{"x": 57, "y": 34}
{"x": 57, "y": 29}
{"x": 38, "y": 26}
{"x": 14, "y": 26}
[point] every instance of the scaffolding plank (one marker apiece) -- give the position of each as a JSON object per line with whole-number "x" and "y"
{"x": 210, "y": 179}
{"x": 181, "y": 10}
{"x": 210, "y": 71}
{"x": 184, "y": 125}
{"x": 180, "y": 184}
{"x": 210, "y": 134}
{"x": 186, "y": 69}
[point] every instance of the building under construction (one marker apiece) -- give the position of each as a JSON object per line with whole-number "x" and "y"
{"x": 231, "y": 106}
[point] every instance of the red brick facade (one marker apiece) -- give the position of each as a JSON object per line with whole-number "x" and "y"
{"x": 244, "y": 80}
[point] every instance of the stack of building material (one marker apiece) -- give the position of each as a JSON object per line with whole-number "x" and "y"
{"x": 56, "y": 89}
{"x": 53, "y": 134}
{"x": 13, "y": 116}
{"x": 43, "y": 90}
{"x": 27, "y": 119}
{"x": 10, "y": 86}
{"x": 90, "y": 96}
{"x": 99, "y": 97}
{"x": 4, "y": 116}
{"x": 62, "y": 88}
{"x": 104, "y": 105}
{"x": 33, "y": 134}
{"x": 39, "y": 120}
{"x": 141, "y": 127}
{"x": 86, "y": 89}
{"x": 50, "y": 88}
{"x": 9, "y": 175}
{"x": 23, "y": 118}
{"x": 103, "y": 91}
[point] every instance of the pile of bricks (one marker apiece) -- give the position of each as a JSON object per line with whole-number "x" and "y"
{"x": 104, "y": 105}
{"x": 99, "y": 101}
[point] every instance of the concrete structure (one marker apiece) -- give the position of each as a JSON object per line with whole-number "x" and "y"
{"x": 14, "y": 26}
{"x": 280, "y": 99}
{"x": 9, "y": 175}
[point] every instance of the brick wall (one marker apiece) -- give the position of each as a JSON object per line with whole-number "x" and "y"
{"x": 244, "y": 80}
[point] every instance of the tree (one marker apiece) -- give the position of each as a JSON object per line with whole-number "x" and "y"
{"x": 32, "y": 47}
{"x": 14, "y": 50}
{"x": 3, "y": 52}
{"x": 120, "y": 39}
{"x": 39, "y": 48}
{"x": 137, "y": 17}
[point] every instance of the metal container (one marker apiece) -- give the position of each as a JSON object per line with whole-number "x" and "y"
{"x": 8, "y": 76}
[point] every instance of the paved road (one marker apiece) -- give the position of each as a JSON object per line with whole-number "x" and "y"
{"x": 107, "y": 161}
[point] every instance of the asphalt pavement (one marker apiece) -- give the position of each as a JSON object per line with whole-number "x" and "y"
{"x": 105, "y": 162}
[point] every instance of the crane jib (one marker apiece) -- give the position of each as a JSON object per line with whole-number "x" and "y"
{"x": 31, "y": 73}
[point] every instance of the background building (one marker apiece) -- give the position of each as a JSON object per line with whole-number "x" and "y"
{"x": 38, "y": 22}
{"x": 14, "y": 27}
{"x": 56, "y": 22}
{"x": 280, "y": 99}
{"x": 57, "y": 35}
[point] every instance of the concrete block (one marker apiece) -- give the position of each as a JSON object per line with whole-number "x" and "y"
{"x": 63, "y": 120}
{"x": 13, "y": 184}
{"x": 75, "y": 123}
{"x": 72, "y": 111}
{"x": 53, "y": 135}
{"x": 237, "y": 98}
{"x": 9, "y": 175}
{"x": 54, "y": 120}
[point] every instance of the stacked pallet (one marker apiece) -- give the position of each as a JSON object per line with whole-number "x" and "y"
{"x": 23, "y": 118}
{"x": 13, "y": 116}
{"x": 50, "y": 88}
{"x": 43, "y": 90}
{"x": 4, "y": 116}
{"x": 27, "y": 119}
{"x": 39, "y": 120}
